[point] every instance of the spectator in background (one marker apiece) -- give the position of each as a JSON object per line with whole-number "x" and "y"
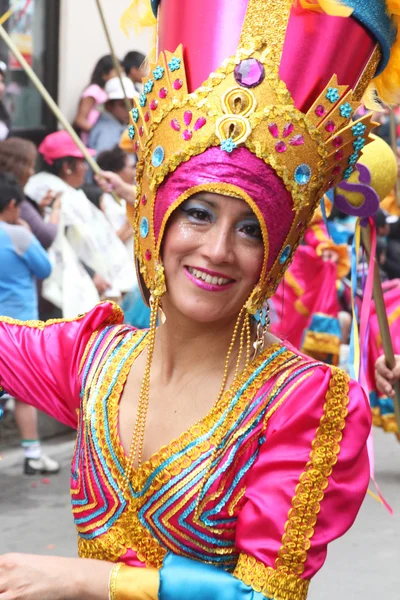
{"x": 133, "y": 64}
{"x": 94, "y": 96}
{"x": 18, "y": 156}
{"x": 22, "y": 260}
{"x": 91, "y": 262}
{"x": 121, "y": 166}
{"x": 5, "y": 119}
{"x": 118, "y": 161}
{"x": 107, "y": 132}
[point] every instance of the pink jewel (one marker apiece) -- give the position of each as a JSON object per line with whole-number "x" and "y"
{"x": 200, "y": 123}
{"x": 147, "y": 255}
{"x": 163, "y": 93}
{"x": 330, "y": 184}
{"x": 273, "y": 129}
{"x": 320, "y": 110}
{"x": 270, "y": 280}
{"x": 136, "y": 147}
{"x": 187, "y": 117}
{"x": 187, "y": 135}
{"x": 280, "y": 147}
{"x": 144, "y": 199}
{"x": 339, "y": 155}
{"x": 337, "y": 142}
{"x": 178, "y": 83}
{"x": 296, "y": 140}
{"x": 141, "y": 130}
{"x": 147, "y": 117}
{"x": 330, "y": 126}
{"x": 175, "y": 125}
{"x": 288, "y": 129}
{"x": 299, "y": 225}
{"x": 153, "y": 105}
{"x": 337, "y": 170}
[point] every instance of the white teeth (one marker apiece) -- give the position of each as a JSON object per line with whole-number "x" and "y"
{"x": 208, "y": 278}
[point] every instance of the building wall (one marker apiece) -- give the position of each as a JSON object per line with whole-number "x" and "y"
{"x": 82, "y": 42}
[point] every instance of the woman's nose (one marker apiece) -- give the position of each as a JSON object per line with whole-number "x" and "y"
{"x": 219, "y": 244}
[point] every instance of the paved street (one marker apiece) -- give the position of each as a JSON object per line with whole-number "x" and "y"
{"x": 35, "y": 517}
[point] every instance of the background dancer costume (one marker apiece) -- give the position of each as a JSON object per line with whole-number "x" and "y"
{"x": 244, "y": 503}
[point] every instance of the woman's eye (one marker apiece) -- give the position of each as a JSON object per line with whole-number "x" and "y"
{"x": 252, "y": 230}
{"x": 197, "y": 214}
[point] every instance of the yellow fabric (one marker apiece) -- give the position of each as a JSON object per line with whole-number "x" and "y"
{"x": 137, "y": 584}
{"x": 334, "y": 8}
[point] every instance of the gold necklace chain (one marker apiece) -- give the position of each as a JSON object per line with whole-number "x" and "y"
{"x": 137, "y": 441}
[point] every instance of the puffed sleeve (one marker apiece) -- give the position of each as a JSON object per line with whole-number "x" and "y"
{"x": 304, "y": 490}
{"x": 40, "y": 361}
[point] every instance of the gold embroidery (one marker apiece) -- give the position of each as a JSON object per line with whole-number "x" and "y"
{"x": 310, "y": 490}
{"x": 128, "y": 532}
{"x": 115, "y": 317}
{"x": 284, "y": 582}
{"x": 273, "y": 584}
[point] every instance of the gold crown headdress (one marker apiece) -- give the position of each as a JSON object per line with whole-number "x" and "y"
{"x": 244, "y": 102}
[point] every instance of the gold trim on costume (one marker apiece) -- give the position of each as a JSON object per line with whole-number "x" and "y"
{"x": 285, "y": 582}
{"x": 271, "y": 583}
{"x": 302, "y": 517}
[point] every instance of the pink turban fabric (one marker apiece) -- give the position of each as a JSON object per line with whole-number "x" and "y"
{"x": 242, "y": 169}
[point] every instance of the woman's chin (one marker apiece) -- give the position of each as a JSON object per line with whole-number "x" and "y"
{"x": 206, "y": 310}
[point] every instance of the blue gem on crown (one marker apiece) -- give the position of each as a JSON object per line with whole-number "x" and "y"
{"x": 346, "y": 110}
{"x": 158, "y": 72}
{"x": 332, "y": 95}
{"x": 158, "y": 156}
{"x": 228, "y": 145}
{"x": 148, "y": 86}
{"x": 144, "y": 227}
{"x": 174, "y": 64}
{"x": 285, "y": 254}
{"x": 302, "y": 174}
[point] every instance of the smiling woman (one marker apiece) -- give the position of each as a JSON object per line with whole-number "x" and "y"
{"x": 212, "y": 460}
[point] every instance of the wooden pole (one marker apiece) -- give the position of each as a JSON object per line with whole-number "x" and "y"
{"x": 51, "y": 104}
{"x": 117, "y": 64}
{"x": 383, "y": 322}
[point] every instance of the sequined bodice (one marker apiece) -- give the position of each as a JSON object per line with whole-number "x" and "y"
{"x": 186, "y": 498}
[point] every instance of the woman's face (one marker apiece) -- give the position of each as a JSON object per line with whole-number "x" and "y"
{"x": 212, "y": 254}
{"x": 75, "y": 176}
{"x": 127, "y": 174}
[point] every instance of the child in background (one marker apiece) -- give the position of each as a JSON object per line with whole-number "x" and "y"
{"x": 94, "y": 96}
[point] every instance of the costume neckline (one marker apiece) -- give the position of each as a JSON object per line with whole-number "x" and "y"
{"x": 166, "y": 452}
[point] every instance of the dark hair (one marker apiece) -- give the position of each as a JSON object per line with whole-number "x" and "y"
{"x": 380, "y": 218}
{"x": 103, "y": 67}
{"x": 57, "y": 166}
{"x": 93, "y": 193}
{"x": 16, "y": 157}
{"x": 133, "y": 60}
{"x": 112, "y": 160}
{"x": 9, "y": 190}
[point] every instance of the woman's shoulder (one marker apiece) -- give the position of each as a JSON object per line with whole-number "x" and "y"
{"x": 305, "y": 386}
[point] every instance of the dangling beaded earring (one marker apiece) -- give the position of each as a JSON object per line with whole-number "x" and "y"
{"x": 263, "y": 323}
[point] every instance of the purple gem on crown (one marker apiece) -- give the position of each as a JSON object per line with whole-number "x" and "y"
{"x": 249, "y": 72}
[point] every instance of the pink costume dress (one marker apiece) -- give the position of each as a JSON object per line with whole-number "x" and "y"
{"x": 257, "y": 489}
{"x": 307, "y": 307}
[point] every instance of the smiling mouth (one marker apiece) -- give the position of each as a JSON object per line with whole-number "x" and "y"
{"x": 207, "y": 278}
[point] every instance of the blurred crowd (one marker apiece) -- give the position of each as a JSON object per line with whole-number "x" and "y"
{"x": 65, "y": 244}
